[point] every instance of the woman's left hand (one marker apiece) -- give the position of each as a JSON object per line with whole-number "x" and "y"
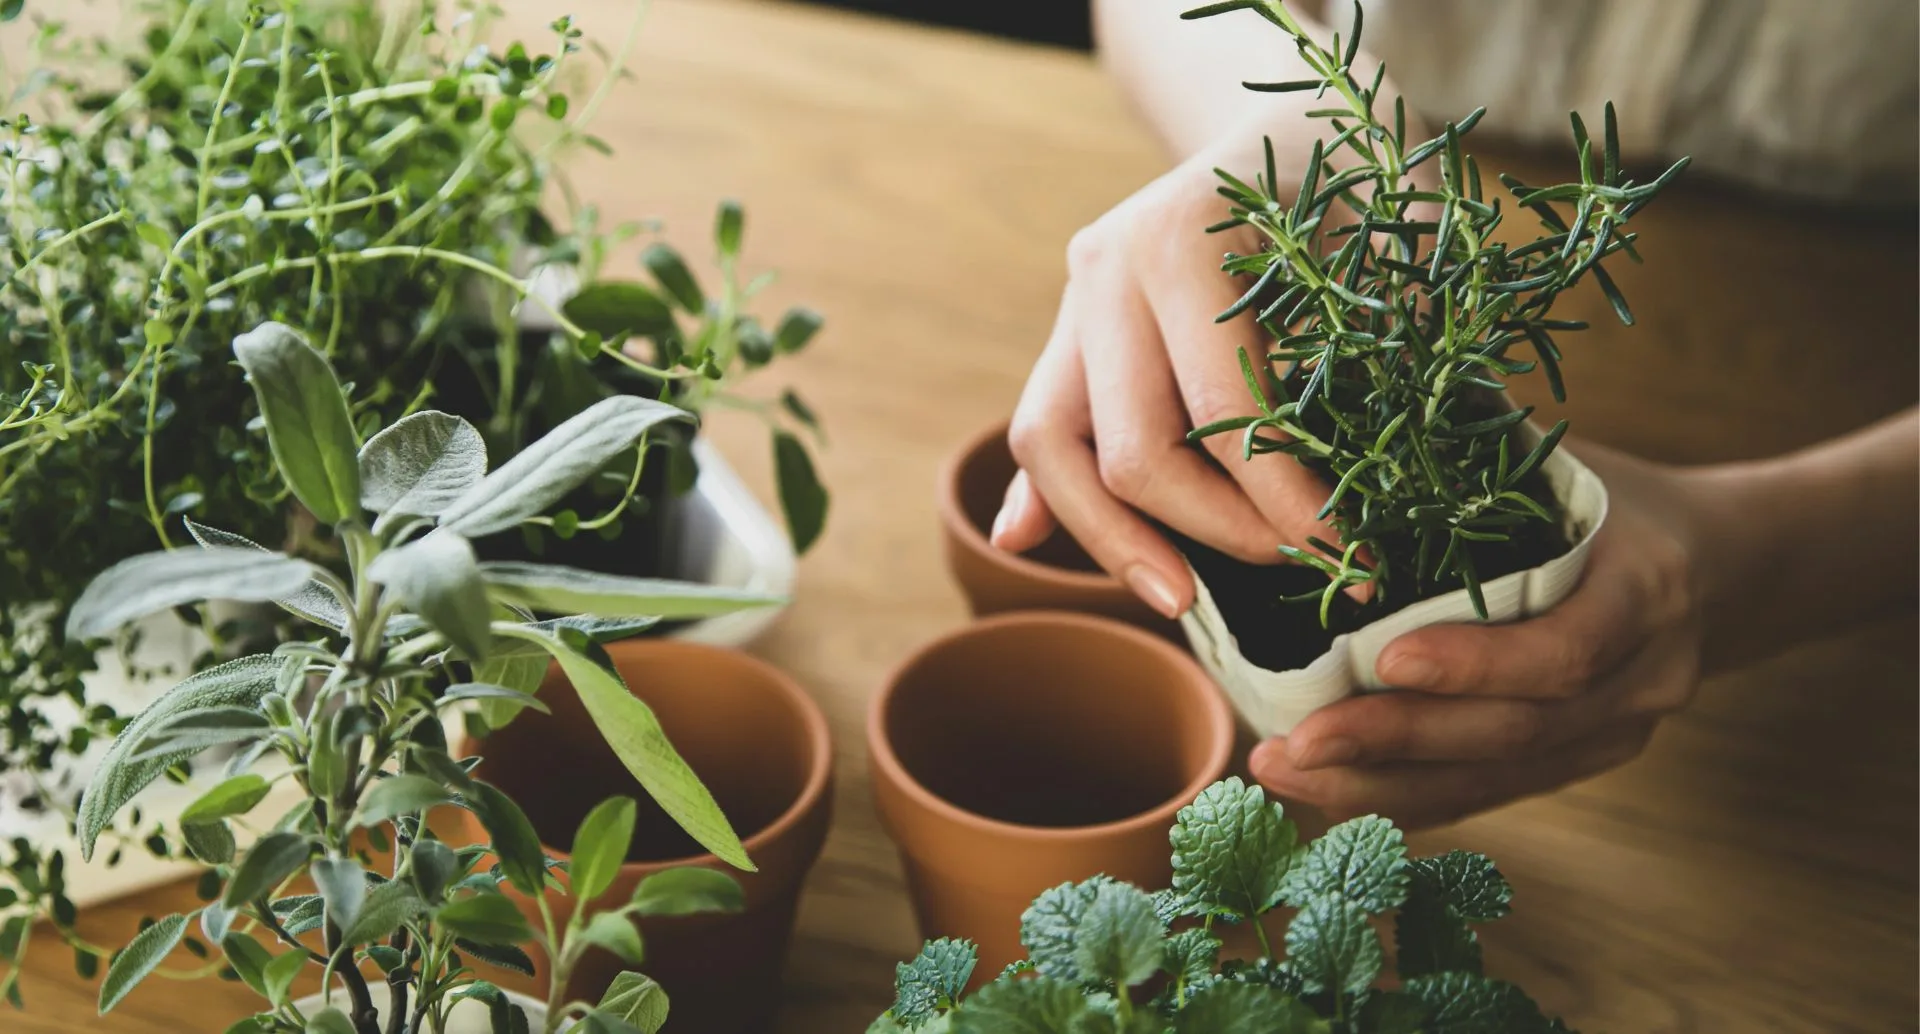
{"x": 1487, "y": 714}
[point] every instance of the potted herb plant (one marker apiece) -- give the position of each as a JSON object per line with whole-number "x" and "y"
{"x": 355, "y": 714}
{"x": 1396, "y": 314}
{"x": 377, "y": 172}
{"x": 1106, "y": 956}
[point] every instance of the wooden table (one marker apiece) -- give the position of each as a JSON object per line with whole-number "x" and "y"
{"x": 1754, "y": 871}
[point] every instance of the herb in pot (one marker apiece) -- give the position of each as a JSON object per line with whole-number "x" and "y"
{"x": 1105, "y": 957}
{"x": 355, "y": 716}
{"x": 1396, "y": 316}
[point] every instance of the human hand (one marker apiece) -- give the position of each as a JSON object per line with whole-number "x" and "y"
{"x": 1487, "y": 714}
{"x": 1135, "y": 361}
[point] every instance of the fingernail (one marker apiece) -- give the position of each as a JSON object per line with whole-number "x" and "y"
{"x": 1327, "y": 753}
{"x": 1408, "y": 672}
{"x": 1009, "y": 514}
{"x": 1152, "y": 587}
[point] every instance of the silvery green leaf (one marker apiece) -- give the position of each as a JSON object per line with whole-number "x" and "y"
{"x": 235, "y": 796}
{"x": 515, "y": 665}
{"x": 514, "y": 840}
{"x": 420, "y": 465}
{"x": 438, "y": 578}
{"x": 343, "y": 885}
{"x": 397, "y": 795}
{"x": 140, "y": 957}
{"x": 141, "y": 585}
{"x": 308, "y": 426}
{"x": 312, "y": 601}
{"x": 631, "y": 729}
{"x": 526, "y": 485}
{"x": 598, "y": 629}
{"x": 932, "y": 981}
{"x": 485, "y": 918}
{"x": 387, "y": 906}
{"x": 215, "y": 921}
{"x": 506, "y": 956}
{"x": 238, "y": 683}
{"x": 272, "y": 858}
{"x": 488, "y": 691}
{"x": 248, "y": 959}
{"x": 211, "y": 842}
{"x": 600, "y": 847}
{"x": 638, "y": 1000}
{"x": 194, "y": 731}
{"x": 567, "y": 590}
{"x": 432, "y": 864}
{"x": 687, "y": 890}
{"x": 615, "y": 932}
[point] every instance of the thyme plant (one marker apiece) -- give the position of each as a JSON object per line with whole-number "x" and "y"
{"x": 1396, "y": 316}
{"x": 1105, "y": 957}
{"x": 385, "y": 174}
{"x": 416, "y": 627}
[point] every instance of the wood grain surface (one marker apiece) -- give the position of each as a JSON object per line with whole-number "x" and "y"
{"x": 1753, "y": 872}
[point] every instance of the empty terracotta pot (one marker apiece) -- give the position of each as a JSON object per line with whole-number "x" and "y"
{"x": 1030, "y": 749}
{"x": 759, "y": 743}
{"x": 1056, "y": 575}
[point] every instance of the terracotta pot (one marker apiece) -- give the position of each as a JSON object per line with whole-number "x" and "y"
{"x": 1031, "y": 749}
{"x": 761, "y": 746}
{"x": 1056, "y": 575}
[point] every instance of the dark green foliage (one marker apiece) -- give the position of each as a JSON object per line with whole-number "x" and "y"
{"x": 1396, "y": 316}
{"x": 1098, "y": 949}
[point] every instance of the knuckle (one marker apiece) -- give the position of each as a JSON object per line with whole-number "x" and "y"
{"x": 1090, "y": 246}
{"x": 1126, "y": 471}
{"x": 1025, "y": 439}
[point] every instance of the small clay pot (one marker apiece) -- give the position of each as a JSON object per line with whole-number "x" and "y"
{"x": 1030, "y": 749}
{"x": 759, "y": 743}
{"x": 1055, "y": 575}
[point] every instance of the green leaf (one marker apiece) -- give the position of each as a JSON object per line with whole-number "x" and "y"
{"x": 312, "y": 601}
{"x": 616, "y": 933}
{"x": 1119, "y": 939}
{"x": 238, "y": 683}
{"x": 1362, "y": 860}
{"x": 485, "y": 691}
{"x": 520, "y": 672}
{"x": 421, "y": 464}
{"x": 396, "y": 795}
{"x": 195, "y": 731}
{"x": 1232, "y": 849}
{"x": 236, "y": 796}
{"x": 139, "y": 958}
{"x": 728, "y": 224}
{"x": 667, "y": 268}
{"x": 279, "y": 974}
{"x": 551, "y": 589}
{"x": 248, "y": 959}
{"x": 1392, "y": 1012}
{"x": 330, "y": 1020}
{"x": 1430, "y": 938}
{"x": 272, "y": 858}
{"x": 141, "y": 585}
{"x": 933, "y": 981}
{"x": 308, "y": 426}
{"x": 506, "y": 956}
{"x": 487, "y": 918}
{"x": 799, "y": 410}
{"x": 431, "y": 865}
{"x": 1049, "y": 925}
{"x": 514, "y": 840}
{"x": 635, "y": 735}
{"x": 600, "y": 847}
{"x": 1230, "y": 1007}
{"x": 343, "y": 886}
{"x": 802, "y": 497}
{"x": 526, "y": 485}
{"x": 1468, "y": 883}
{"x": 619, "y": 308}
{"x": 211, "y": 842}
{"x": 1462, "y": 1003}
{"x": 636, "y": 999}
{"x": 388, "y": 905}
{"x": 687, "y": 890}
{"x": 1043, "y": 1005}
{"x": 438, "y": 578}
{"x": 797, "y": 327}
{"x": 1332, "y": 948}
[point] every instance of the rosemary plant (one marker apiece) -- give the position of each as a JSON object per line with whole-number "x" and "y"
{"x": 415, "y": 628}
{"x": 1396, "y": 315}
{"x": 386, "y": 175}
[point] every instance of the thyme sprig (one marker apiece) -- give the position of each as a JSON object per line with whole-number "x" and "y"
{"x": 1397, "y": 316}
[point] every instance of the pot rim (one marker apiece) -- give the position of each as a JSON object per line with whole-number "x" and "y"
{"x": 953, "y": 513}
{"x": 819, "y": 773}
{"x": 1219, "y": 717}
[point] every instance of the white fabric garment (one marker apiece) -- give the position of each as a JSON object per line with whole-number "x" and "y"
{"x": 1816, "y": 97}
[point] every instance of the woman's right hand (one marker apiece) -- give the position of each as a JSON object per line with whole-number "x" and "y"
{"x": 1135, "y": 361}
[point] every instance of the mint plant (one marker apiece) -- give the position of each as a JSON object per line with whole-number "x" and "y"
{"x": 388, "y": 176}
{"x": 1396, "y": 316}
{"x": 415, "y": 629}
{"x": 1105, "y": 957}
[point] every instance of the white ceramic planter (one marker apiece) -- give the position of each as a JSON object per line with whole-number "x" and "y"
{"x": 468, "y": 1017}
{"x": 1273, "y": 702}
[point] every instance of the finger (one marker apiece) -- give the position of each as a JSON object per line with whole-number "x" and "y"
{"x": 1024, "y": 521}
{"x": 1140, "y": 423}
{"x": 1050, "y": 439}
{"x": 1416, "y": 794}
{"x": 1555, "y": 655}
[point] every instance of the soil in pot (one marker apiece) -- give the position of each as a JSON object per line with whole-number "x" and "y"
{"x": 1278, "y": 635}
{"x": 760, "y": 746}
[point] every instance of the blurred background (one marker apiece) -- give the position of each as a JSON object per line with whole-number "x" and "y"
{"x": 1061, "y": 22}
